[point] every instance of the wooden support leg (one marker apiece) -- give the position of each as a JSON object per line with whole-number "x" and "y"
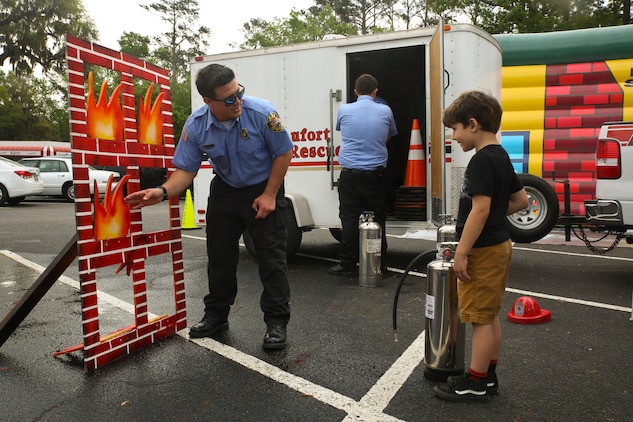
{"x": 37, "y": 291}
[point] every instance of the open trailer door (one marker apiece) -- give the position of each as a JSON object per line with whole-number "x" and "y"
{"x": 437, "y": 141}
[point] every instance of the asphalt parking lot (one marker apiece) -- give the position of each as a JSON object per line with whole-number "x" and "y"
{"x": 342, "y": 363}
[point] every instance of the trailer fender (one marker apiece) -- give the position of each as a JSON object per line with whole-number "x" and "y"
{"x": 303, "y": 216}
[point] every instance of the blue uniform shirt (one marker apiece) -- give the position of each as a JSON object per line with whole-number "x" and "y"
{"x": 365, "y": 126}
{"x": 241, "y": 155}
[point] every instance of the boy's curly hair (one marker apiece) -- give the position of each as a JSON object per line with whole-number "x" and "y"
{"x": 476, "y": 105}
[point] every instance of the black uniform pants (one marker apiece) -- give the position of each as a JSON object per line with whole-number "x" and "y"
{"x": 360, "y": 191}
{"x": 229, "y": 213}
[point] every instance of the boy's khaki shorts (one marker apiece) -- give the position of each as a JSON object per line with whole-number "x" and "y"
{"x": 481, "y": 298}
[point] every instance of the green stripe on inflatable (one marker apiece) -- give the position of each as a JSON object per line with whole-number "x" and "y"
{"x": 574, "y": 46}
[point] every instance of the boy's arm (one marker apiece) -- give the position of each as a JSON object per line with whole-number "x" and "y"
{"x": 518, "y": 201}
{"x": 472, "y": 229}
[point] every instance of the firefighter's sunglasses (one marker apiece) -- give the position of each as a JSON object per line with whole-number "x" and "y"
{"x": 229, "y": 101}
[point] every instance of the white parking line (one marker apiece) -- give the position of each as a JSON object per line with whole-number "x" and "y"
{"x": 584, "y": 255}
{"x": 380, "y": 395}
{"x": 570, "y": 300}
{"x": 101, "y": 296}
{"x": 370, "y": 407}
{"x": 360, "y": 411}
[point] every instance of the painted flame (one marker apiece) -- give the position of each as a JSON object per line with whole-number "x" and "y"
{"x": 112, "y": 219}
{"x": 104, "y": 121}
{"x": 150, "y": 123}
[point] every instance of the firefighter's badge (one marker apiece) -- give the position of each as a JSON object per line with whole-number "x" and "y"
{"x": 244, "y": 133}
{"x": 274, "y": 122}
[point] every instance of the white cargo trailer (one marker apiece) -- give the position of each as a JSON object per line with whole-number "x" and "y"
{"x": 418, "y": 71}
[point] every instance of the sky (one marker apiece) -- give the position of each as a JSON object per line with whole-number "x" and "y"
{"x": 224, "y": 18}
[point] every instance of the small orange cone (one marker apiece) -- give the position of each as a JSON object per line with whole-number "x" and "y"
{"x": 416, "y": 169}
{"x": 188, "y": 217}
{"x": 526, "y": 310}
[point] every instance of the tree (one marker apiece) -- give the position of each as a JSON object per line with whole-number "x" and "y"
{"x": 343, "y": 9}
{"x": 181, "y": 41}
{"x": 32, "y": 38}
{"x": 507, "y": 16}
{"x": 368, "y": 16}
{"x": 32, "y": 32}
{"x": 406, "y": 11}
{"x": 180, "y": 103}
{"x": 300, "y": 26}
{"x": 31, "y": 109}
{"x": 135, "y": 44}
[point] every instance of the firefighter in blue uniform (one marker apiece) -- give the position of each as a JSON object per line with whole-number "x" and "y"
{"x": 250, "y": 151}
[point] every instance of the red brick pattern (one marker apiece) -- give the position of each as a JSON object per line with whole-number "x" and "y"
{"x": 101, "y": 348}
{"x": 579, "y": 98}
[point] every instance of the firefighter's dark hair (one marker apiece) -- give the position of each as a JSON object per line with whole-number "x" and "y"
{"x": 212, "y": 76}
{"x": 365, "y": 84}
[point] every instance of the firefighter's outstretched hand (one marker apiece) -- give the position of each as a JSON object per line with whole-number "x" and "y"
{"x": 460, "y": 265}
{"x": 140, "y": 199}
{"x": 264, "y": 205}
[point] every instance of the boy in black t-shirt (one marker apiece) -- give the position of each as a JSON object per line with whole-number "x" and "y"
{"x": 491, "y": 190}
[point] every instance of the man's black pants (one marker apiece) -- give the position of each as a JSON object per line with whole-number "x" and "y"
{"x": 229, "y": 213}
{"x": 360, "y": 191}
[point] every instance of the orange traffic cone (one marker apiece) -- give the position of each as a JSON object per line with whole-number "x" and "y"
{"x": 410, "y": 200}
{"x": 188, "y": 218}
{"x": 416, "y": 169}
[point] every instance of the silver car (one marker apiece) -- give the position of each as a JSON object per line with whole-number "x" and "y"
{"x": 18, "y": 181}
{"x": 57, "y": 174}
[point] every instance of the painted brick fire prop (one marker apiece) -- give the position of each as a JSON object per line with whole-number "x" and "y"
{"x": 132, "y": 133}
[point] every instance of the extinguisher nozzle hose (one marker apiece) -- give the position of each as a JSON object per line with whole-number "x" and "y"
{"x": 427, "y": 256}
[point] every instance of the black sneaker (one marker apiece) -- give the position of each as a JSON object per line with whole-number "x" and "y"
{"x": 492, "y": 384}
{"x": 462, "y": 388}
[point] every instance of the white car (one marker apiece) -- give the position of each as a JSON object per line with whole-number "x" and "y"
{"x": 57, "y": 174}
{"x": 18, "y": 181}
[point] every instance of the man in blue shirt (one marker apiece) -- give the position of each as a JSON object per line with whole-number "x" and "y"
{"x": 250, "y": 151}
{"x": 365, "y": 126}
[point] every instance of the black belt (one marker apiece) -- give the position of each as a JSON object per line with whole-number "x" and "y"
{"x": 377, "y": 170}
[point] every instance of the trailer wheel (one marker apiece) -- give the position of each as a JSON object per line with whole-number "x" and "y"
{"x": 539, "y": 218}
{"x": 293, "y": 239}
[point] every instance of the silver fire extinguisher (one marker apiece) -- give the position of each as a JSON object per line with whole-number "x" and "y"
{"x": 446, "y": 233}
{"x": 370, "y": 246}
{"x": 445, "y": 333}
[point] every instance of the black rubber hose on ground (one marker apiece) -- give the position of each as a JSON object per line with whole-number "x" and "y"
{"x": 428, "y": 256}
